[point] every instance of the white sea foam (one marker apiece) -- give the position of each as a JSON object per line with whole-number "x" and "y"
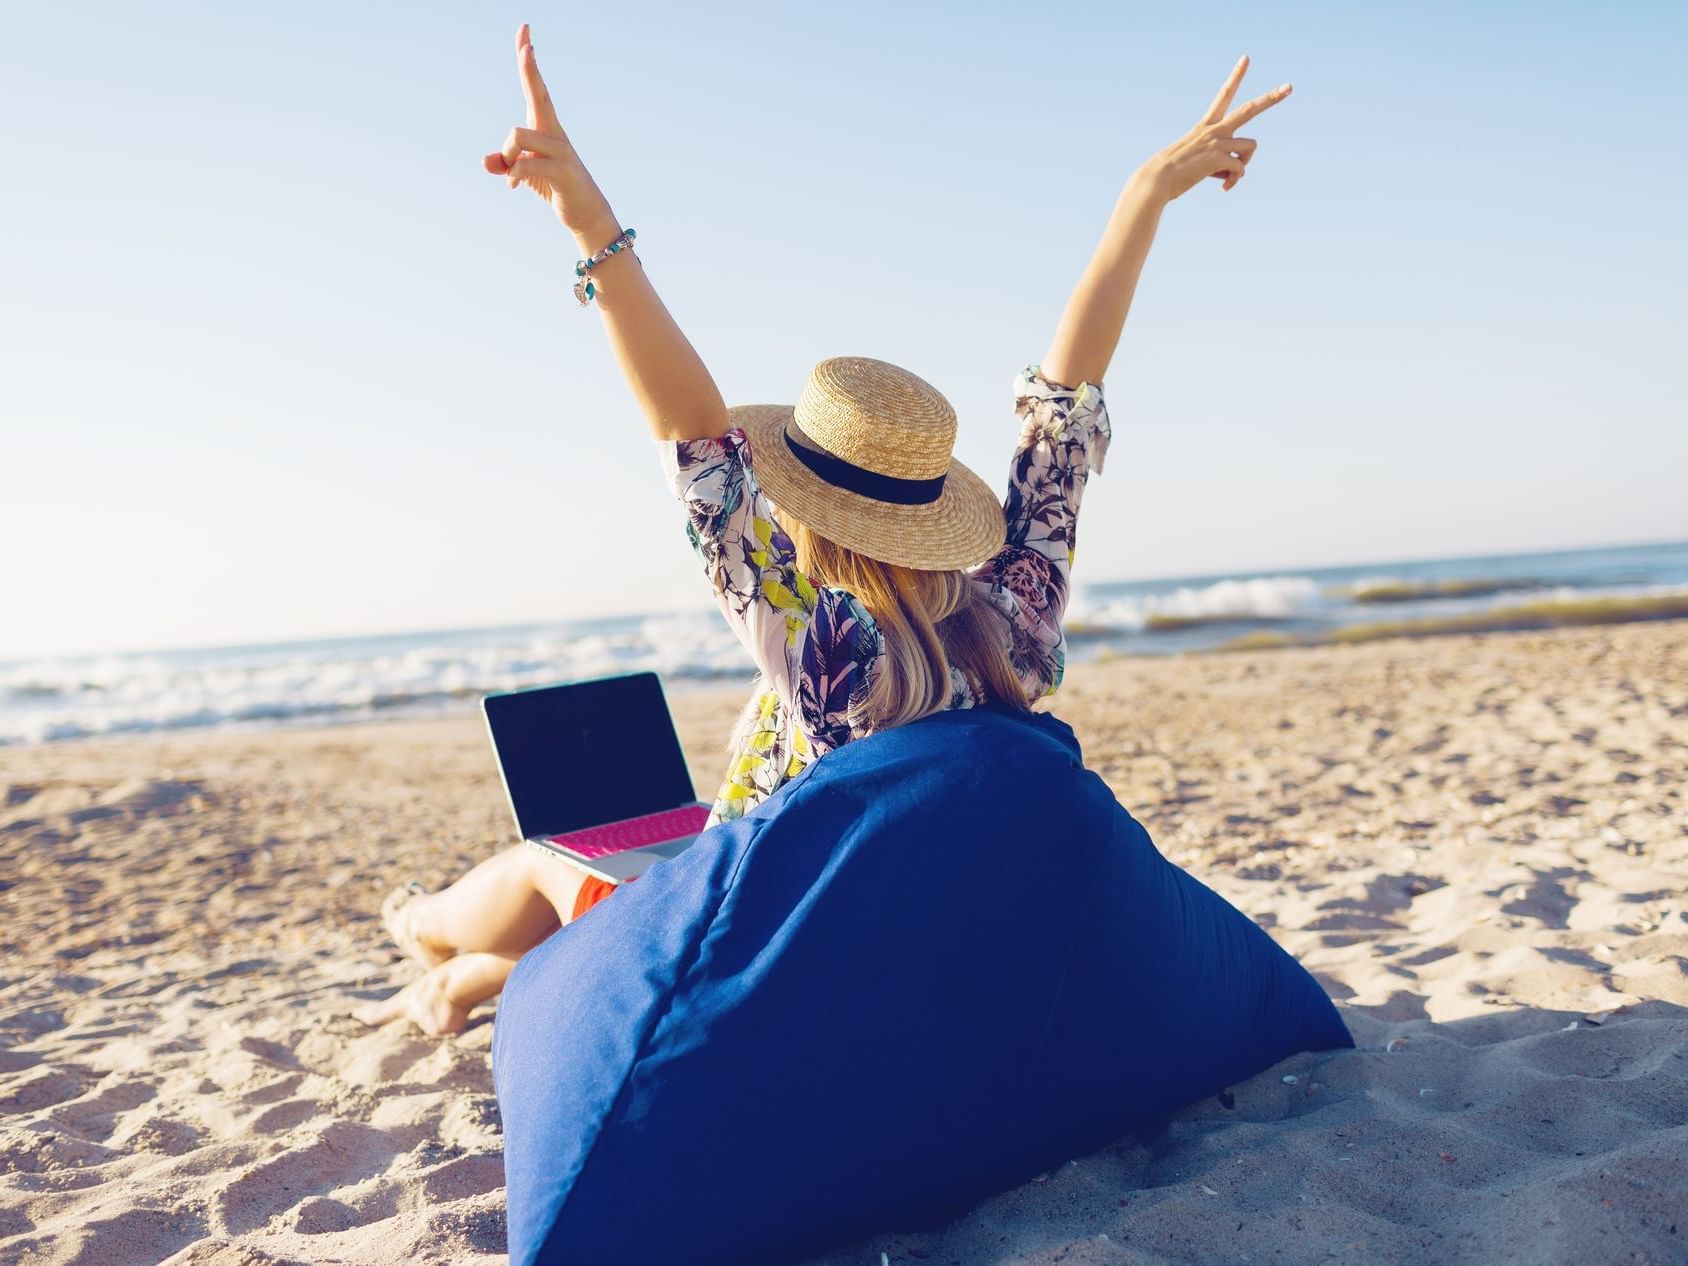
{"x": 1259, "y": 598}
{"x": 48, "y": 699}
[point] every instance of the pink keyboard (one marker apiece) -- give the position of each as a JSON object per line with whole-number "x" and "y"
{"x": 618, "y": 837}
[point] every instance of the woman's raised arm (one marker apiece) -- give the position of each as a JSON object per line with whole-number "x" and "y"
{"x": 1090, "y": 326}
{"x": 668, "y": 379}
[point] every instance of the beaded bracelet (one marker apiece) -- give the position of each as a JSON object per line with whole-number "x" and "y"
{"x": 583, "y": 288}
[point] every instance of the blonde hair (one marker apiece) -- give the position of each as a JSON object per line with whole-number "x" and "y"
{"x": 928, "y": 621}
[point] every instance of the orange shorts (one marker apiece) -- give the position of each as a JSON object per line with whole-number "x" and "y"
{"x": 592, "y": 892}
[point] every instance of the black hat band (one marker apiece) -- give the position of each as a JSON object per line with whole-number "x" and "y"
{"x": 869, "y": 483}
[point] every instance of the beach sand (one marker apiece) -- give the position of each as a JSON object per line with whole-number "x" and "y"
{"x": 1478, "y": 844}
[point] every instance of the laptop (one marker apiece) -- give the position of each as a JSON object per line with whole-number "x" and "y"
{"x": 594, "y": 772}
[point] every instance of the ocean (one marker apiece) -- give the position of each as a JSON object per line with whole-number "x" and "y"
{"x": 342, "y": 679}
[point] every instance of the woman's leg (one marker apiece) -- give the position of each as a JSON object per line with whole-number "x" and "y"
{"x": 504, "y": 906}
{"x": 470, "y": 935}
{"x": 439, "y": 1002}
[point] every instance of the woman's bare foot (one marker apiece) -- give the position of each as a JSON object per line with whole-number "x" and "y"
{"x": 425, "y": 1002}
{"x": 439, "y": 1001}
{"x": 399, "y": 916}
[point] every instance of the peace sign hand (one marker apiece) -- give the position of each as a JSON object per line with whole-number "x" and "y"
{"x": 1211, "y": 148}
{"x": 540, "y": 155}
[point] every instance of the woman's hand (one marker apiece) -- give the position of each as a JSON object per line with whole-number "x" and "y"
{"x": 1211, "y": 148}
{"x": 1090, "y": 324}
{"x": 678, "y": 397}
{"x": 541, "y": 157}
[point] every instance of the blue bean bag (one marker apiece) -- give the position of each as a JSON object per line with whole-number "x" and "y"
{"x": 939, "y": 961}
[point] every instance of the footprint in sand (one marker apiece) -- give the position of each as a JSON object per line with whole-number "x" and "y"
{"x": 43, "y": 1089}
{"x": 97, "y": 1116}
{"x": 343, "y": 1154}
{"x": 290, "y": 1114}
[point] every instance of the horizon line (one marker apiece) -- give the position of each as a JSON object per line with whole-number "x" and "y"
{"x": 11, "y": 660}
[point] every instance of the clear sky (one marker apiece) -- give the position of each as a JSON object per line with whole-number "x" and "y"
{"x": 277, "y": 359}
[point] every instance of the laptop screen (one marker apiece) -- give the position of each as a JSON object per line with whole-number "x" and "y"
{"x": 587, "y": 753}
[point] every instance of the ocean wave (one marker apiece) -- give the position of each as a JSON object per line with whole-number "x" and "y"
{"x": 1563, "y": 607}
{"x": 350, "y": 678}
{"x": 1390, "y": 589}
{"x": 49, "y": 700}
{"x": 1261, "y": 598}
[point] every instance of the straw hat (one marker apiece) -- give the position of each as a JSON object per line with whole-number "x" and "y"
{"x": 865, "y": 458}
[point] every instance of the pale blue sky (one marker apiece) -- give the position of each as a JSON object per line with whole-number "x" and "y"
{"x": 277, "y": 359}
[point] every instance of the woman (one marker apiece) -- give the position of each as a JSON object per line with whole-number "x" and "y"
{"x": 885, "y": 584}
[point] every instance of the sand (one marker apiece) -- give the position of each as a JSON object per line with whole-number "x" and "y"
{"x": 1478, "y": 844}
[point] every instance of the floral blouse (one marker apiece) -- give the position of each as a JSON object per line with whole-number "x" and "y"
{"x": 816, "y": 645}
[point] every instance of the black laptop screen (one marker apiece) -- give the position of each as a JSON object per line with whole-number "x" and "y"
{"x": 588, "y": 752}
